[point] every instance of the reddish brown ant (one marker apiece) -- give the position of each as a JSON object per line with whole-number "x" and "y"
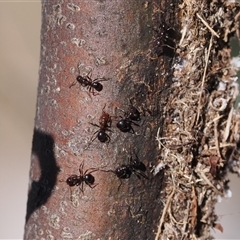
{"x": 91, "y": 84}
{"x": 105, "y": 123}
{"x": 87, "y": 177}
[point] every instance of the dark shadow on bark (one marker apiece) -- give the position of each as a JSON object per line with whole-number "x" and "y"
{"x": 40, "y": 191}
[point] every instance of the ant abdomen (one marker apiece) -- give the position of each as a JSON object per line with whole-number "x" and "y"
{"x": 103, "y": 137}
{"x": 73, "y": 180}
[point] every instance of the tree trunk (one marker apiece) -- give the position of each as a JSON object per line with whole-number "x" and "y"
{"x": 170, "y": 62}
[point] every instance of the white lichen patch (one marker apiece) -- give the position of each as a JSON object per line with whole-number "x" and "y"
{"x": 73, "y": 7}
{"x": 54, "y": 221}
{"x": 66, "y": 233}
{"x": 78, "y": 42}
{"x": 88, "y": 235}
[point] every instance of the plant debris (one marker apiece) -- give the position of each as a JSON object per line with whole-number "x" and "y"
{"x": 201, "y": 138}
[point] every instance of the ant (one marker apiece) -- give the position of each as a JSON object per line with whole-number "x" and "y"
{"x": 125, "y": 124}
{"x": 166, "y": 40}
{"x": 91, "y": 85}
{"x": 87, "y": 177}
{"x": 105, "y": 123}
{"x": 125, "y": 171}
{"x": 135, "y": 166}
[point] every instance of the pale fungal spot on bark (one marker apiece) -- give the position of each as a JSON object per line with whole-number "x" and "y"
{"x": 73, "y": 7}
{"x": 56, "y": 17}
{"x": 57, "y": 8}
{"x": 66, "y": 234}
{"x": 49, "y": 235}
{"x": 61, "y": 19}
{"x": 40, "y": 232}
{"x": 45, "y": 90}
{"x": 75, "y": 200}
{"x": 63, "y": 43}
{"x": 54, "y": 221}
{"x": 45, "y": 210}
{"x": 35, "y": 215}
{"x": 90, "y": 117}
{"x": 88, "y": 235}
{"x": 63, "y": 205}
{"x": 101, "y": 60}
{"x": 70, "y": 26}
{"x": 53, "y": 103}
{"x": 65, "y": 132}
{"x": 79, "y": 42}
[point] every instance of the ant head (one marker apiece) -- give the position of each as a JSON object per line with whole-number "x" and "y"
{"x": 97, "y": 86}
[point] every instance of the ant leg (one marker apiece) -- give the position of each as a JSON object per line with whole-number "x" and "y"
{"x": 136, "y": 158}
{"x": 130, "y": 160}
{"x": 81, "y": 187}
{"x": 135, "y": 124}
{"x": 104, "y": 107}
{"x": 72, "y": 84}
{"x": 91, "y": 170}
{"x": 91, "y": 90}
{"x": 100, "y": 80}
{"x": 108, "y": 138}
{"x": 132, "y": 130}
{"x": 120, "y": 184}
{"x": 92, "y": 186}
{"x": 95, "y": 125}
{"x": 140, "y": 174}
{"x": 166, "y": 45}
{"x": 89, "y": 75}
{"x": 81, "y": 168}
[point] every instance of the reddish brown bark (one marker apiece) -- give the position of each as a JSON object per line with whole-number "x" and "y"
{"x": 186, "y": 119}
{"x": 113, "y": 39}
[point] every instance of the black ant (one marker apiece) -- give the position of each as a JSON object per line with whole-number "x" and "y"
{"x": 87, "y": 177}
{"x": 125, "y": 124}
{"x": 91, "y": 85}
{"x": 125, "y": 171}
{"x": 135, "y": 166}
{"x": 166, "y": 40}
{"x": 105, "y": 123}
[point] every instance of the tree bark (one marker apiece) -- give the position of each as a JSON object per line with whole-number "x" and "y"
{"x": 184, "y": 137}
